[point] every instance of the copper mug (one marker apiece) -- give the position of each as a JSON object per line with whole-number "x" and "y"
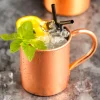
{"x": 48, "y": 73}
{"x": 68, "y": 7}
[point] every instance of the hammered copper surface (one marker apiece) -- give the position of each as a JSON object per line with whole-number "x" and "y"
{"x": 92, "y": 50}
{"x": 68, "y": 7}
{"x": 48, "y": 73}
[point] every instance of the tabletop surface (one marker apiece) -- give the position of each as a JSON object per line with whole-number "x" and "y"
{"x": 11, "y": 89}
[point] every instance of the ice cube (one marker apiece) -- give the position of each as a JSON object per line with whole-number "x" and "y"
{"x": 50, "y": 46}
{"x": 45, "y": 38}
{"x": 57, "y": 42}
{"x": 64, "y": 33}
{"x": 6, "y": 78}
{"x": 57, "y": 39}
{"x": 55, "y": 33}
{"x": 51, "y": 27}
{"x": 84, "y": 96}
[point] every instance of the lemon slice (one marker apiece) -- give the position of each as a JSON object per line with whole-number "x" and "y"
{"x": 35, "y": 22}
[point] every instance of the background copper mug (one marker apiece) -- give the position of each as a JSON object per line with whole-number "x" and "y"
{"x": 48, "y": 73}
{"x": 68, "y": 7}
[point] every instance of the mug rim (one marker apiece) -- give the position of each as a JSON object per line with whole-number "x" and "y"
{"x": 48, "y": 50}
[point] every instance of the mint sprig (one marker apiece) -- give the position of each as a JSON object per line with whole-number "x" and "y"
{"x": 7, "y": 37}
{"x": 25, "y": 32}
{"x": 24, "y": 37}
{"x": 28, "y": 50}
{"x": 15, "y": 45}
{"x": 38, "y": 44}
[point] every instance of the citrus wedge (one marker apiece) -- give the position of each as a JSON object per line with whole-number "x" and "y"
{"x": 35, "y": 22}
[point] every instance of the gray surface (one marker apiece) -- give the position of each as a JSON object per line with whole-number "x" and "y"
{"x": 10, "y": 11}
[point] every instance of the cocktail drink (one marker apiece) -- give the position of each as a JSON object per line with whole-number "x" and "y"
{"x": 45, "y": 53}
{"x": 56, "y": 37}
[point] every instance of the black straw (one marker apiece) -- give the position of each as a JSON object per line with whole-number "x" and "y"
{"x": 67, "y": 22}
{"x": 61, "y": 23}
{"x": 54, "y": 15}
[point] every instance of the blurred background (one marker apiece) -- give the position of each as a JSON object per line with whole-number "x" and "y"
{"x": 11, "y": 10}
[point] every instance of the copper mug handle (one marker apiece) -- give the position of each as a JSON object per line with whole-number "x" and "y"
{"x": 92, "y": 50}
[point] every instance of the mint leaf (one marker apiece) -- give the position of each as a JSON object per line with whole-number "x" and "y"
{"x": 38, "y": 44}
{"x": 25, "y": 31}
{"x": 7, "y": 37}
{"x": 28, "y": 50}
{"x": 15, "y": 45}
{"x": 27, "y": 25}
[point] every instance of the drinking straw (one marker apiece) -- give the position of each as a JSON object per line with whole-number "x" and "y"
{"x": 54, "y": 15}
{"x": 61, "y": 23}
{"x": 67, "y": 22}
{"x": 60, "y": 26}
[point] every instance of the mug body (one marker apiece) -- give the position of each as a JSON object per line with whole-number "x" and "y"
{"x": 68, "y": 7}
{"x": 48, "y": 73}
